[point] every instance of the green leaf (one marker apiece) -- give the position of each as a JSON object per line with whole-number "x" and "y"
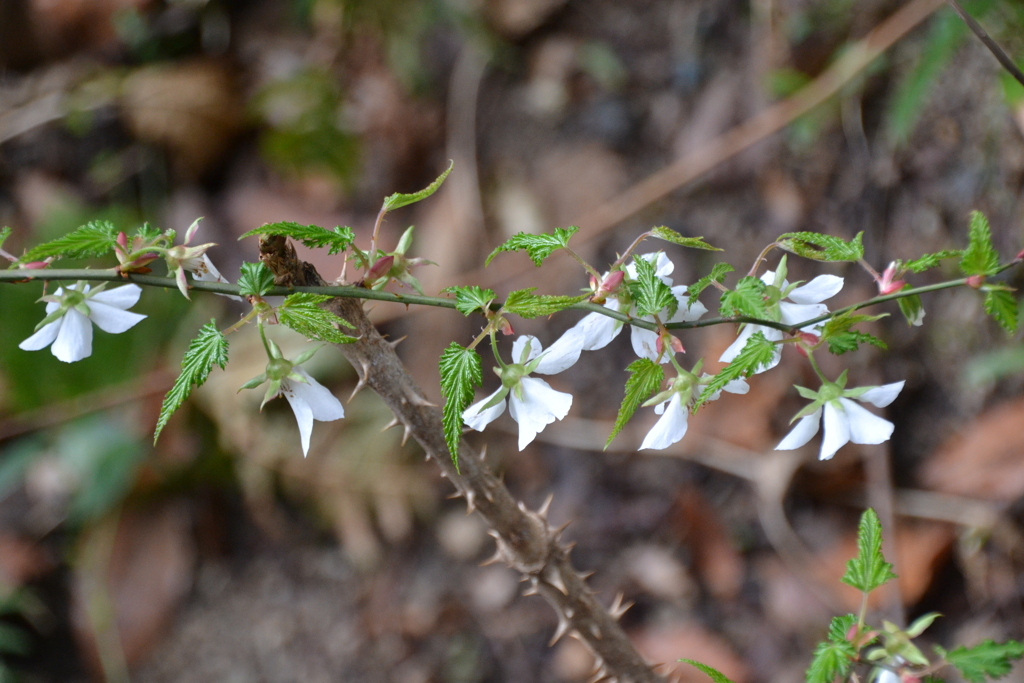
{"x": 716, "y": 675}
{"x": 148, "y": 233}
{"x": 650, "y": 293}
{"x": 538, "y": 247}
{"x": 758, "y": 351}
{"x": 928, "y": 261}
{"x": 868, "y": 570}
{"x": 302, "y": 313}
{"x": 717, "y": 274}
{"x": 820, "y": 247}
{"x": 1000, "y": 304}
{"x": 833, "y": 658}
{"x": 527, "y": 305}
{"x": 674, "y": 237}
{"x": 209, "y": 348}
{"x": 312, "y": 236}
{"x": 987, "y": 660}
{"x": 748, "y": 298}
{"x": 845, "y": 342}
{"x": 256, "y": 279}
{"x": 911, "y": 308}
{"x": 980, "y": 257}
{"x": 95, "y": 238}
{"x": 460, "y": 373}
{"x": 398, "y": 200}
{"x": 472, "y": 298}
{"x": 645, "y": 376}
{"x": 4, "y": 234}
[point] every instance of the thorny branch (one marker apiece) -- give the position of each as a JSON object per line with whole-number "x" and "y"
{"x": 525, "y": 540}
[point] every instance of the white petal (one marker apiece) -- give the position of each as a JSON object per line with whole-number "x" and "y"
{"x": 883, "y": 395}
{"x": 42, "y": 338}
{"x": 478, "y": 420}
{"x": 645, "y": 342}
{"x": 540, "y": 406}
{"x": 663, "y": 266}
{"x": 303, "y": 413}
{"x": 770, "y": 333}
{"x": 803, "y": 432}
{"x": 686, "y": 313}
{"x": 737, "y": 386}
{"x": 599, "y": 330}
{"x": 769, "y": 278}
{"x": 325, "y": 406}
{"x": 519, "y": 346}
{"x": 119, "y": 297}
{"x": 817, "y": 290}
{"x": 798, "y": 313}
{"x": 74, "y": 339}
{"x": 205, "y": 271}
{"x": 563, "y": 353}
{"x": 670, "y": 427}
{"x": 112, "y": 319}
{"x": 865, "y": 426}
{"x": 837, "y": 431}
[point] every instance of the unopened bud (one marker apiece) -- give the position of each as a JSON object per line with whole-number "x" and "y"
{"x": 380, "y": 268}
{"x": 807, "y": 341}
{"x": 887, "y": 285}
{"x": 506, "y": 327}
{"x": 122, "y": 239}
{"x": 975, "y": 281}
{"x": 1019, "y": 256}
{"x": 608, "y": 285}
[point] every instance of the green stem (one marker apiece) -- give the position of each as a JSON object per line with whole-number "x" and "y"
{"x": 494, "y": 348}
{"x": 243, "y": 322}
{"x": 817, "y": 370}
{"x": 863, "y": 613}
{"x": 266, "y": 344}
{"x": 586, "y": 266}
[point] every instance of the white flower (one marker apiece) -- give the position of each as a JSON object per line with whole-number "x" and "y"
{"x": 309, "y": 399}
{"x": 674, "y": 407}
{"x": 71, "y": 312}
{"x": 845, "y": 421}
{"x": 194, "y": 260}
{"x": 599, "y": 330}
{"x": 804, "y": 304}
{"x": 532, "y": 401}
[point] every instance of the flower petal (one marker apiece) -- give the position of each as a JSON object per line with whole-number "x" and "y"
{"x": 562, "y": 354}
{"x": 112, "y": 319}
{"x": 43, "y": 337}
{"x": 670, "y": 427}
{"x": 865, "y": 426}
{"x": 119, "y": 297}
{"x": 539, "y": 406}
{"x": 325, "y": 406}
{"x": 792, "y": 314}
{"x": 837, "y": 431}
{"x": 477, "y": 419}
{"x": 303, "y": 413}
{"x": 663, "y": 266}
{"x": 883, "y": 395}
{"x": 74, "y": 339}
{"x": 803, "y": 432}
{"x": 817, "y": 290}
{"x": 599, "y": 330}
{"x": 519, "y": 348}
{"x": 645, "y": 342}
{"x": 770, "y": 333}
{"x": 686, "y": 313}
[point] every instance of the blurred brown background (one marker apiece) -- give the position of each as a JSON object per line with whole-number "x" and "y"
{"x": 222, "y": 555}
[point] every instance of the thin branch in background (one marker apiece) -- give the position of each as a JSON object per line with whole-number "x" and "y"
{"x": 991, "y": 44}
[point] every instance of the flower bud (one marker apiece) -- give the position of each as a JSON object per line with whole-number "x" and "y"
{"x": 608, "y": 285}
{"x": 975, "y": 281}
{"x": 35, "y": 265}
{"x": 1019, "y": 256}
{"x": 122, "y": 239}
{"x": 379, "y": 269}
{"x": 887, "y": 285}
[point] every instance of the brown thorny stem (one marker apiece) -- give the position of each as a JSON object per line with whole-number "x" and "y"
{"x": 525, "y": 540}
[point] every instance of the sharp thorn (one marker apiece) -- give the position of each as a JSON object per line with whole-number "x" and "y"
{"x": 406, "y": 434}
{"x": 542, "y": 511}
{"x": 398, "y": 341}
{"x": 595, "y": 631}
{"x": 360, "y": 385}
{"x": 553, "y": 578}
{"x": 618, "y": 607}
{"x": 394, "y": 423}
{"x": 470, "y": 501}
{"x": 421, "y": 401}
{"x": 483, "y": 453}
{"x": 560, "y": 630}
{"x": 585, "y": 575}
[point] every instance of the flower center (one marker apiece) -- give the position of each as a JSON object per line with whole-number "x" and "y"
{"x": 512, "y": 374}
{"x": 279, "y": 368}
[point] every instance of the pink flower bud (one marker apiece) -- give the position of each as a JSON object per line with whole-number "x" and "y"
{"x": 807, "y": 341}
{"x": 975, "y": 281}
{"x": 122, "y": 239}
{"x": 1019, "y": 256}
{"x": 887, "y": 285}
{"x": 35, "y": 265}
{"x": 380, "y": 268}
{"x": 506, "y": 327}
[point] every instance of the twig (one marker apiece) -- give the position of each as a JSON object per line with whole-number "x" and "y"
{"x": 991, "y": 44}
{"x": 525, "y": 540}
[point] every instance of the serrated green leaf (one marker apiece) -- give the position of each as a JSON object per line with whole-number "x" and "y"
{"x": 674, "y": 237}
{"x": 645, "y": 376}
{"x": 461, "y": 372}
{"x": 255, "y": 280}
{"x": 147, "y": 233}
{"x": 471, "y": 298}
{"x": 842, "y": 323}
{"x": 649, "y": 292}
{"x": 833, "y": 658}
{"x": 716, "y": 675}
{"x": 820, "y": 247}
{"x": 868, "y": 570}
{"x": 980, "y": 257}
{"x": 987, "y": 660}
{"x": 928, "y": 261}
{"x": 398, "y": 200}
{"x": 1001, "y": 305}
{"x": 95, "y": 238}
{"x": 525, "y": 304}
{"x": 312, "y": 236}
{"x": 746, "y": 299}
{"x": 717, "y": 274}
{"x": 844, "y": 342}
{"x": 209, "y": 348}
{"x": 756, "y": 352}
{"x": 911, "y": 308}
{"x": 302, "y": 313}
{"x": 537, "y": 247}
{"x": 4, "y": 234}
